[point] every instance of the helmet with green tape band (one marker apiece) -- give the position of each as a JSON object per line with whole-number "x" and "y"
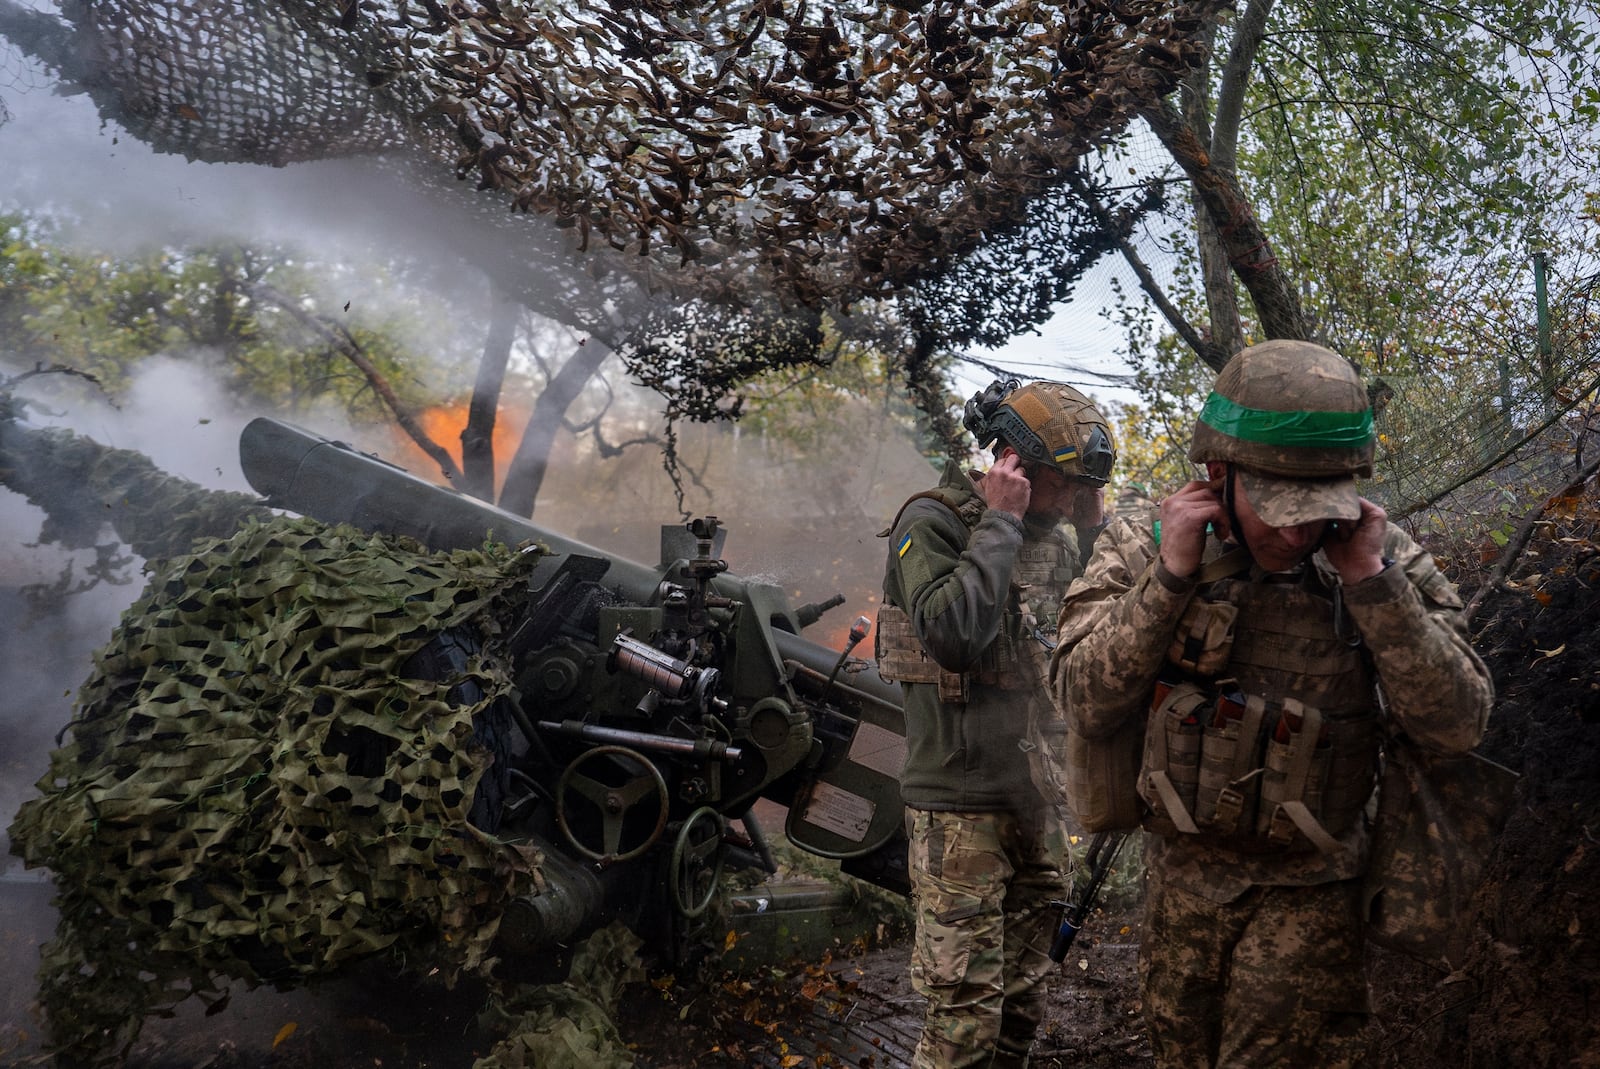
{"x": 1047, "y": 423}
{"x": 1288, "y": 408}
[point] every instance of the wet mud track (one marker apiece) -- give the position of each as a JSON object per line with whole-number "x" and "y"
{"x": 861, "y": 1011}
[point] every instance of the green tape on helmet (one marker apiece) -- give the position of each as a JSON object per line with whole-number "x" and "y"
{"x": 1312, "y": 430}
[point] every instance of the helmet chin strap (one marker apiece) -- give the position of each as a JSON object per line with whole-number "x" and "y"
{"x": 1228, "y": 505}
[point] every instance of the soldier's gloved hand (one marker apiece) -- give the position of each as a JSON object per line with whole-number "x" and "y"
{"x": 1356, "y": 549}
{"x": 1006, "y": 487}
{"x": 1184, "y": 518}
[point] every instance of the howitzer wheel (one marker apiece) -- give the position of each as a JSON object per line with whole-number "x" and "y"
{"x": 697, "y": 857}
{"x": 614, "y": 803}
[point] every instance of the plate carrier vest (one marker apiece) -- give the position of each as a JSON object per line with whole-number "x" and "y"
{"x": 1263, "y": 732}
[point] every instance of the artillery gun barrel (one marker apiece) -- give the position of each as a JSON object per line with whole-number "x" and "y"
{"x": 303, "y": 472}
{"x": 330, "y": 480}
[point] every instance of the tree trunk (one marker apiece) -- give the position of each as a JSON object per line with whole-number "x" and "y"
{"x": 1243, "y": 240}
{"x": 1216, "y": 277}
{"x": 477, "y": 437}
{"x": 1228, "y": 231}
{"x": 532, "y": 458}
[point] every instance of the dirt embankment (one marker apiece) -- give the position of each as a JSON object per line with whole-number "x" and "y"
{"x": 1528, "y": 993}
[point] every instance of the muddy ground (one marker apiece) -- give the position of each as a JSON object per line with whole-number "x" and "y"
{"x": 1528, "y": 995}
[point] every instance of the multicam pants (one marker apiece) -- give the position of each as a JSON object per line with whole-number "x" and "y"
{"x": 982, "y": 887}
{"x": 1274, "y": 978}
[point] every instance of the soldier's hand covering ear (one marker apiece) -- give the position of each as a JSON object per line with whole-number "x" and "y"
{"x": 1184, "y": 518}
{"x": 1006, "y": 486}
{"x": 1088, "y": 506}
{"x": 1356, "y": 549}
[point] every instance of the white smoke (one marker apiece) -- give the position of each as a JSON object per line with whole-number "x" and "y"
{"x": 175, "y": 414}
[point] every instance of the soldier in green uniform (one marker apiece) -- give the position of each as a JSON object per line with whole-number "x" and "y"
{"x": 1266, "y": 625}
{"x": 974, "y": 566}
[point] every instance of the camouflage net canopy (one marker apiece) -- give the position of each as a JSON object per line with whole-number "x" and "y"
{"x": 824, "y": 153}
{"x": 255, "y": 786}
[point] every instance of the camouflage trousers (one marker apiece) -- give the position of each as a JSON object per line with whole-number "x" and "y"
{"x": 1273, "y": 978}
{"x": 982, "y": 886}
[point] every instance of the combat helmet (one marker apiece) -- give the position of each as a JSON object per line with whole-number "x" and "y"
{"x": 1295, "y": 420}
{"x": 1047, "y": 423}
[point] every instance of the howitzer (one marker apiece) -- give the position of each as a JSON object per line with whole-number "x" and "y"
{"x": 1098, "y": 859}
{"x": 653, "y": 704}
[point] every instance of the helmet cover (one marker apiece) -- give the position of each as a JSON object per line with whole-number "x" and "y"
{"x": 1047, "y": 423}
{"x": 1295, "y": 418}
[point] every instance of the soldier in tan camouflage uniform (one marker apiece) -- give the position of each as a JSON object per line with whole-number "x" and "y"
{"x": 1265, "y": 626}
{"x": 974, "y": 566}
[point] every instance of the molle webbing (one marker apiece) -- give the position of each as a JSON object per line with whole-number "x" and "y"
{"x": 1283, "y": 751}
{"x": 1252, "y": 774}
{"x": 1285, "y": 642}
{"x": 1042, "y": 564}
{"x": 968, "y": 506}
{"x": 902, "y": 658}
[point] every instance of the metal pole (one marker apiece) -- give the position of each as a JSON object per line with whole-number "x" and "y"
{"x": 1542, "y": 310}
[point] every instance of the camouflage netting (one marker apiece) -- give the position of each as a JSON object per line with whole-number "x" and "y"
{"x": 83, "y": 486}
{"x": 254, "y": 789}
{"x": 572, "y": 1025}
{"x": 770, "y": 154}
{"x": 824, "y": 153}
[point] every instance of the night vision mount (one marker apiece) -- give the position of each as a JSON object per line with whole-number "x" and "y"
{"x": 985, "y": 422}
{"x": 988, "y": 421}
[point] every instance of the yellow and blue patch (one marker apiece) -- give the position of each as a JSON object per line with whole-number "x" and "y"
{"x": 905, "y": 544}
{"x": 1066, "y": 453}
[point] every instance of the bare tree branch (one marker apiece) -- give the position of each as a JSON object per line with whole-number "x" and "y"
{"x": 351, "y": 350}
{"x": 1212, "y": 354}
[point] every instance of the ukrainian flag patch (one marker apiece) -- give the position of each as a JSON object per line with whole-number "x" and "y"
{"x": 1066, "y": 453}
{"x": 905, "y": 544}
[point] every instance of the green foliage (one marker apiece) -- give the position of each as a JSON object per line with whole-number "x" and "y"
{"x": 1151, "y": 449}
{"x": 1400, "y": 154}
{"x": 1153, "y": 433}
{"x": 258, "y": 315}
{"x": 1405, "y": 160}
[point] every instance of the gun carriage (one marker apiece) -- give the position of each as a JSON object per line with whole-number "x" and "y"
{"x": 653, "y": 706}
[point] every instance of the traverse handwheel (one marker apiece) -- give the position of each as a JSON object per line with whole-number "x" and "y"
{"x": 637, "y": 783}
{"x": 697, "y": 857}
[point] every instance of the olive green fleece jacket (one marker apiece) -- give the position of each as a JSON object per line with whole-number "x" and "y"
{"x": 956, "y": 585}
